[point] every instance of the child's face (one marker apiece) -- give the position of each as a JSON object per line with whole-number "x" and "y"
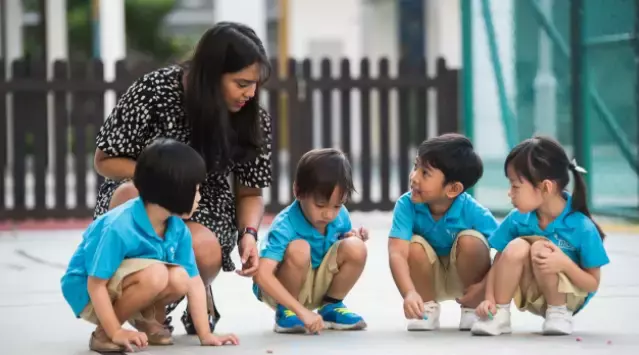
{"x": 427, "y": 185}
{"x": 196, "y": 202}
{"x": 523, "y": 194}
{"x": 320, "y": 212}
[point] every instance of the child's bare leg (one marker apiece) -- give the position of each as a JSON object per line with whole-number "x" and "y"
{"x": 512, "y": 270}
{"x": 351, "y": 259}
{"x": 293, "y": 269}
{"x": 421, "y": 272}
{"x": 547, "y": 283}
{"x": 473, "y": 263}
{"x": 177, "y": 287}
{"x": 139, "y": 290}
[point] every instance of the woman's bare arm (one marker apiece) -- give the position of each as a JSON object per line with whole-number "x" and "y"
{"x": 115, "y": 168}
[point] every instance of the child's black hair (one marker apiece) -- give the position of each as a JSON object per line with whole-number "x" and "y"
{"x": 543, "y": 158}
{"x": 454, "y": 155}
{"x": 319, "y": 171}
{"x": 167, "y": 173}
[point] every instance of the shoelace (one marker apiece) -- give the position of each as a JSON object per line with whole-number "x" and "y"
{"x": 556, "y": 313}
{"x": 343, "y": 310}
{"x": 288, "y": 313}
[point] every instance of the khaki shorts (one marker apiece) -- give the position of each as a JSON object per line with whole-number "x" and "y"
{"x": 316, "y": 284}
{"x": 533, "y": 301}
{"x": 114, "y": 286}
{"x": 448, "y": 285}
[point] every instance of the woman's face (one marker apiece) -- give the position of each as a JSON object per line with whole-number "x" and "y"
{"x": 239, "y": 87}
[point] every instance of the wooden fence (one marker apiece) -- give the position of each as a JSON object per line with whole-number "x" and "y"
{"x": 48, "y": 173}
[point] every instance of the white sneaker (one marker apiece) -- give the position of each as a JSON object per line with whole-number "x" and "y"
{"x": 499, "y": 324}
{"x": 430, "y": 321}
{"x": 468, "y": 318}
{"x": 558, "y": 321}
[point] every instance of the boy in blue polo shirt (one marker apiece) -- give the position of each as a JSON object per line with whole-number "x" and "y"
{"x": 438, "y": 247}
{"x": 312, "y": 256}
{"x": 549, "y": 250}
{"x": 138, "y": 257}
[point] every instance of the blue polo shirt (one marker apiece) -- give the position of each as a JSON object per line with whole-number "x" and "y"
{"x": 572, "y": 231}
{"x": 123, "y": 233}
{"x": 291, "y": 224}
{"x": 411, "y": 218}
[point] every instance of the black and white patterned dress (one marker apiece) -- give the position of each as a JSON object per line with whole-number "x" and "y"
{"x": 153, "y": 107}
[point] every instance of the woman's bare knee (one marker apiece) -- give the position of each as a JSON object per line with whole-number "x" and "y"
{"x": 298, "y": 254}
{"x": 123, "y": 193}
{"x": 208, "y": 252}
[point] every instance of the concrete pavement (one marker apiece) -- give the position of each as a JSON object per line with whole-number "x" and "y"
{"x": 36, "y": 320}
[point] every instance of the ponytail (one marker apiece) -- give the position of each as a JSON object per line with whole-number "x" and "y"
{"x": 579, "y": 201}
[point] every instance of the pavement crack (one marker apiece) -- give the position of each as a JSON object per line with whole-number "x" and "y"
{"x": 41, "y": 261}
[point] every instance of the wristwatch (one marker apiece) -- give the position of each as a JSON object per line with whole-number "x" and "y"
{"x": 248, "y": 230}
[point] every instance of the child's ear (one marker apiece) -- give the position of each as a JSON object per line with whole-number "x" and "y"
{"x": 547, "y": 186}
{"x": 295, "y": 192}
{"x": 453, "y": 189}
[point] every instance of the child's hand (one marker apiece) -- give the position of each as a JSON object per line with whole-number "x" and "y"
{"x": 312, "y": 321}
{"x": 486, "y": 309}
{"x": 360, "y": 233}
{"x": 552, "y": 262}
{"x": 413, "y": 306}
{"x": 363, "y": 233}
{"x": 217, "y": 340}
{"x": 126, "y": 338}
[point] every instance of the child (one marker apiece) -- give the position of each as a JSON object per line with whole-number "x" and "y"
{"x": 138, "y": 257}
{"x": 438, "y": 247}
{"x": 312, "y": 256}
{"x": 550, "y": 251}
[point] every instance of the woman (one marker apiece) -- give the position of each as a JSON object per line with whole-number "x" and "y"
{"x": 212, "y": 103}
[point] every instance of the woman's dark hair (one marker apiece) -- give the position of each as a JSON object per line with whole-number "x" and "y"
{"x": 543, "y": 158}
{"x": 220, "y": 136}
{"x": 167, "y": 174}
{"x": 320, "y": 171}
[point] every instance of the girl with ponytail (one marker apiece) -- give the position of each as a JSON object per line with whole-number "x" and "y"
{"x": 550, "y": 250}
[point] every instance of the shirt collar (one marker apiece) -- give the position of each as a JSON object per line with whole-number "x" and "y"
{"x": 454, "y": 211}
{"x": 141, "y": 218}
{"x": 530, "y": 219}
{"x": 301, "y": 225}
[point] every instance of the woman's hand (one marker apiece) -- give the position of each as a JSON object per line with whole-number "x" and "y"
{"x": 248, "y": 253}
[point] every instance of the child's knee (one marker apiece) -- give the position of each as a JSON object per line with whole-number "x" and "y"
{"x": 352, "y": 249}
{"x": 417, "y": 254}
{"x": 178, "y": 281}
{"x": 154, "y": 278}
{"x": 298, "y": 253}
{"x": 517, "y": 250}
{"x": 470, "y": 244}
{"x": 539, "y": 247}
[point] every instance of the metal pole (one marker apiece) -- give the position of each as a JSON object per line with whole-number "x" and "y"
{"x": 282, "y": 61}
{"x": 467, "y": 69}
{"x": 580, "y": 98}
{"x": 545, "y": 82}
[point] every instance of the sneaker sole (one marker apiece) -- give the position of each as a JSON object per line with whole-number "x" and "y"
{"x": 483, "y": 332}
{"x": 555, "y": 332}
{"x": 293, "y": 330}
{"x": 422, "y": 329}
{"x": 361, "y": 325}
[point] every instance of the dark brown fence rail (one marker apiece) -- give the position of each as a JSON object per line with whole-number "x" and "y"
{"x": 50, "y": 125}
